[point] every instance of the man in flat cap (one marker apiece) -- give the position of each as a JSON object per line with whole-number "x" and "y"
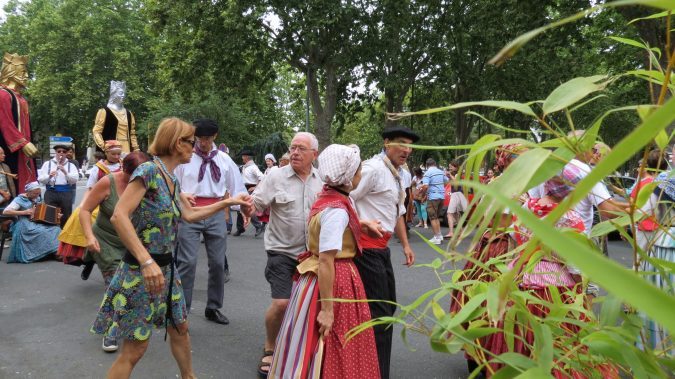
{"x": 59, "y": 176}
{"x": 380, "y": 196}
{"x": 208, "y": 177}
{"x": 252, "y": 176}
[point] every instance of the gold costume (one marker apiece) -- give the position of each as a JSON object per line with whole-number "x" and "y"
{"x": 127, "y": 139}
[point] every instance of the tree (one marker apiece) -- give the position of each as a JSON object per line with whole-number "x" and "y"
{"x": 405, "y": 39}
{"x": 76, "y": 47}
{"x": 321, "y": 39}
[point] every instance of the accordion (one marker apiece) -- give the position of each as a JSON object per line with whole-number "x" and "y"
{"x": 46, "y": 214}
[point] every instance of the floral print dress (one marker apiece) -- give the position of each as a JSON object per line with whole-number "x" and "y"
{"x": 128, "y": 310}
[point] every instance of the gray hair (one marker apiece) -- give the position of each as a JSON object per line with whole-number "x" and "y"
{"x": 313, "y": 142}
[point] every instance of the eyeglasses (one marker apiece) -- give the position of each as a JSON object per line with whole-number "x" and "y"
{"x": 190, "y": 142}
{"x": 61, "y": 151}
{"x": 300, "y": 149}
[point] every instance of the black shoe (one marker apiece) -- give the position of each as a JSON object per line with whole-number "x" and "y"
{"x": 86, "y": 271}
{"x": 226, "y": 276}
{"x": 259, "y": 231}
{"x": 215, "y": 316}
{"x": 238, "y": 233}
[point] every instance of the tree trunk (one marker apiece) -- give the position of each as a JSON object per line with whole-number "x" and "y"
{"x": 393, "y": 104}
{"x": 323, "y": 111}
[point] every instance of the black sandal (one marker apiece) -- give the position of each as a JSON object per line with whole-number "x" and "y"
{"x": 263, "y": 364}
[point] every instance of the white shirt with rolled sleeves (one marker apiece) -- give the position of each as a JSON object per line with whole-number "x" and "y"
{"x": 598, "y": 195}
{"x": 61, "y": 178}
{"x": 230, "y": 179}
{"x": 251, "y": 173}
{"x": 377, "y": 195}
{"x": 290, "y": 199}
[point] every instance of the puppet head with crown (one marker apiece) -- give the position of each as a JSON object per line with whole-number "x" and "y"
{"x": 13, "y": 73}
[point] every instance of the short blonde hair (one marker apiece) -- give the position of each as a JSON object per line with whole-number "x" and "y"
{"x": 168, "y": 135}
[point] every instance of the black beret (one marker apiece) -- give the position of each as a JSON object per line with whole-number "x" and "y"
{"x": 399, "y": 131}
{"x": 205, "y": 127}
{"x": 64, "y": 147}
{"x": 246, "y": 151}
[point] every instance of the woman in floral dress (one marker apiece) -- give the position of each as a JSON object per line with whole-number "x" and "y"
{"x": 146, "y": 291}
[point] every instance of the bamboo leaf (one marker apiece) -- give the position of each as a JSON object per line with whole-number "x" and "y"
{"x": 662, "y": 140}
{"x": 499, "y": 104}
{"x": 655, "y": 15}
{"x": 610, "y": 275}
{"x": 516, "y": 360}
{"x": 535, "y": 373}
{"x": 512, "y": 47}
{"x": 635, "y": 43}
{"x": 572, "y": 91}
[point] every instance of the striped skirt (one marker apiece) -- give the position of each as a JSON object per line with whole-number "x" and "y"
{"x": 656, "y": 336}
{"x": 301, "y": 353}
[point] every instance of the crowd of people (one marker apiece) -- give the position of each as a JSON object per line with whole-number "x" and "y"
{"x": 144, "y": 216}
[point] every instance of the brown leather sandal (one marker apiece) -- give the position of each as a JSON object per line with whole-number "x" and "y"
{"x": 265, "y": 365}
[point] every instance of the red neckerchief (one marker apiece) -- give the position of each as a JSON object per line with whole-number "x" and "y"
{"x": 330, "y": 198}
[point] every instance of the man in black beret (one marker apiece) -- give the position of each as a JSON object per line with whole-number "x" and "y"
{"x": 380, "y": 196}
{"x": 209, "y": 177}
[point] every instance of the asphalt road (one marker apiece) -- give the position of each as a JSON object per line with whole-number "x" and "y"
{"x": 46, "y": 311}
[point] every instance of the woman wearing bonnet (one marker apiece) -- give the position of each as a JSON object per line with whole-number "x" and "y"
{"x": 312, "y": 339}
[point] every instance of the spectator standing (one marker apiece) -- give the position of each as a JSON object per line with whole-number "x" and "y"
{"x": 252, "y": 176}
{"x": 420, "y": 198}
{"x": 433, "y": 183}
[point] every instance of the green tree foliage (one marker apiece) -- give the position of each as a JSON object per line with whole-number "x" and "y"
{"x": 76, "y": 47}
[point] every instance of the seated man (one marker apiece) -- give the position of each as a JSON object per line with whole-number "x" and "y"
{"x": 31, "y": 241}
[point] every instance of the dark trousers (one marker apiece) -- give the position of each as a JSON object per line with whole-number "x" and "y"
{"x": 63, "y": 200}
{"x": 240, "y": 222}
{"x": 377, "y": 275}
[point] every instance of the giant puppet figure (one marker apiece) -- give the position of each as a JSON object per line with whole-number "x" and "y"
{"x": 114, "y": 122}
{"x": 15, "y": 133}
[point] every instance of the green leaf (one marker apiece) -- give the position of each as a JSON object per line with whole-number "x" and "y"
{"x": 572, "y": 91}
{"x": 635, "y": 43}
{"x": 610, "y": 311}
{"x": 643, "y": 194}
{"x": 515, "y": 360}
{"x": 499, "y": 104}
{"x": 535, "y": 373}
{"x": 662, "y": 140}
{"x": 655, "y": 15}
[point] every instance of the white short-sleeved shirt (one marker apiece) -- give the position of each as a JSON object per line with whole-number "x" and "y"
{"x": 332, "y": 221}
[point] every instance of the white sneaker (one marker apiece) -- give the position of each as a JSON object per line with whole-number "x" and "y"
{"x": 436, "y": 240}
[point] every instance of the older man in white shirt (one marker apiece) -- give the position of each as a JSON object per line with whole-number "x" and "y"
{"x": 252, "y": 176}
{"x": 208, "y": 177}
{"x": 380, "y": 196}
{"x": 289, "y": 192}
